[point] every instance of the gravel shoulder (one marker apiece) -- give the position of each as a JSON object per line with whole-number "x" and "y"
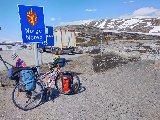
{"x": 128, "y": 92}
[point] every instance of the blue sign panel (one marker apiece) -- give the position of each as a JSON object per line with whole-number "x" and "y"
{"x": 50, "y": 30}
{"x": 49, "y": 38}
{"x": 32, "y": 24}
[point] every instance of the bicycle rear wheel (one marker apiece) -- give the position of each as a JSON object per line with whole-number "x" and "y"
{"x": 74, "y": 87}
{"x": 27, "y": 100}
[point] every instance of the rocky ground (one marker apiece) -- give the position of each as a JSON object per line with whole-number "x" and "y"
{"x": 129, "y": 91}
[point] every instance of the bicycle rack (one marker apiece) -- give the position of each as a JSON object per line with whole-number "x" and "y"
{"x": 5, "y": 62}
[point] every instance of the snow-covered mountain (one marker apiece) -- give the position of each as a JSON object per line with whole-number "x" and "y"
{"x": 144, "y": 25}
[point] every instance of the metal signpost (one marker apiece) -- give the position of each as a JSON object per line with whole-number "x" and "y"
{"x": 49, "y": 40}
{"x": 101, "y": 43}
{"x": 32, "y": 26}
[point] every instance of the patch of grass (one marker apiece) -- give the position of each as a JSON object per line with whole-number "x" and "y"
{"x": 80, "y": 40}
{"x": 109, "y": 61}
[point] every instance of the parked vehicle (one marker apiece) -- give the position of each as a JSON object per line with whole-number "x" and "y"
{"x": 57, "y": 51}
{"x": 78, "y": 51}
{"x": 46, "y": 49}
{"x": 69, "y": 51}
{"x": 54, "y": 50}
{"x": 61, "y": 51}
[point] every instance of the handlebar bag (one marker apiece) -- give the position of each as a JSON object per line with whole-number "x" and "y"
{"x": 62, "y": 62}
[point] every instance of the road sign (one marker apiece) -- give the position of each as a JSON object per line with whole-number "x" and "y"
{"x": 49, "y": 38}
{"x": 32, "y": 24}
{"x": 100, "y": 37}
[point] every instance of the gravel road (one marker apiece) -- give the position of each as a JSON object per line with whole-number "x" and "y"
{"x": 129, "y": 92}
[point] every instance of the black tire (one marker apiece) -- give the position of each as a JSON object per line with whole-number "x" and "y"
{"x": 56, "y": 53}
{"x": 74, "y": 86}
{"x": 26, "y": 100}
{"x": 41, "y": 50}
{"x": 44, "y": 49}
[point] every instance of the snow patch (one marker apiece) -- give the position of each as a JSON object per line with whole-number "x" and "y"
{"x": 102, "y": 24}
{"x": 156, "y": 29}
{"x": 130, "y": 23}
{"x": 149, "y": 24}
{"x": 96, "y": 24}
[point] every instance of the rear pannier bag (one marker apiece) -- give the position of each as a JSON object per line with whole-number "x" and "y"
{"x": 12, "y": 74}
{"x": 27, "y": 78}
{"x": 67, "y": 81}
{"x": 10, "y": 71}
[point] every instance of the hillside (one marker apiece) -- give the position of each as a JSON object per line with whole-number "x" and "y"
{"x": 145, "y": 25}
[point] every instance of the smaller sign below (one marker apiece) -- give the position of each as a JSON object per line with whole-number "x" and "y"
{"x": 49, "y": 38}
{"x": 48, "y": 42}
{"x": 50, "y": 30}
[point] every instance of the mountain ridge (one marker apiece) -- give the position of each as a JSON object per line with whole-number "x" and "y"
{"x": 145, "y": 25}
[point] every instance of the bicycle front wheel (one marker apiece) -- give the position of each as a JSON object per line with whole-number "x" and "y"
{"x": 27, "y": 100}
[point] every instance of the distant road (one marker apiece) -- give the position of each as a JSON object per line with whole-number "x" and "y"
{"x": 28, "y": 57}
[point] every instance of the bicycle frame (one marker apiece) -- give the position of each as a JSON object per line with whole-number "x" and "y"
{"x": 53, "y": 75}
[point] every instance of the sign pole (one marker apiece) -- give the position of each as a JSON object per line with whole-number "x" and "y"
{"x": 101, "y": 43}
{"x": 36, "y": 55}
{"x": 41, "y": 58}
{"x": 101, "y": 47}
